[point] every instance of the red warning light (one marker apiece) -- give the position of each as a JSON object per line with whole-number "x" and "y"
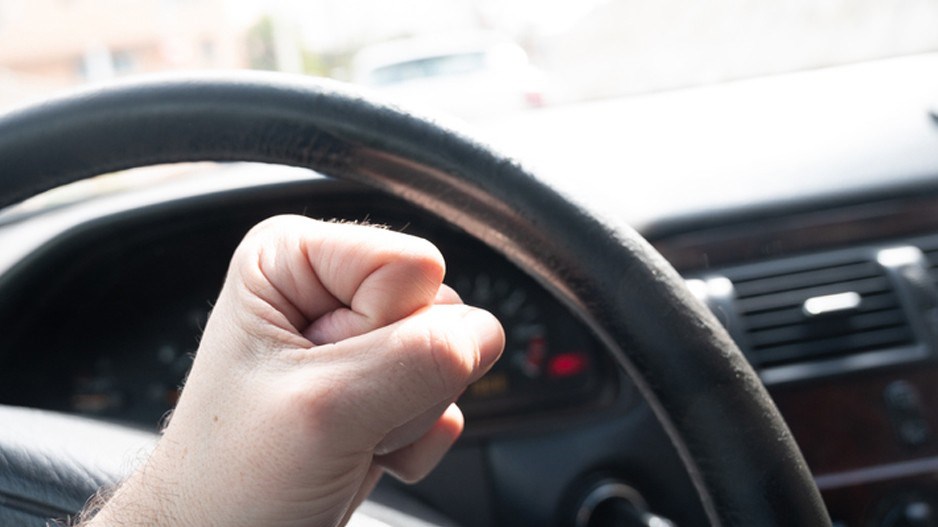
{"x": 567, "y": 364}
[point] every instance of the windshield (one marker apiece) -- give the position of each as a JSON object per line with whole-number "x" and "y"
{"x": 586, "y": 48}
{"x": 473, "y": 59}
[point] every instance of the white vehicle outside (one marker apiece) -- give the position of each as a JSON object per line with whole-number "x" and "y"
{"x": 467, "y": 75}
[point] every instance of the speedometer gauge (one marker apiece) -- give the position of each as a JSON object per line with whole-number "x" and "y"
{"x": 526, "y": 334}
{"x": 550, "y": 360}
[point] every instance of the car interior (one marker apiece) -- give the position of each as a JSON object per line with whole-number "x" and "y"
{"x": 796, "y": 215}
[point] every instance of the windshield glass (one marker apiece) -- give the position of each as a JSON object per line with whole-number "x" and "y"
{"x": 584, "y": 48}
{"x": 472, "y": 59}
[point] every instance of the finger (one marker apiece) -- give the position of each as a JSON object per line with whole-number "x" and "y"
{"x": 447, "y": 295}
{"x": 416, "y": 364}
{"x": 337, "y": 325}
{"x": 414, "y": 461}
{"x": 412, "y": 430}
{"x": 368, "y": 485}
{"x": 344, "y": 323}
{"x": 303, "y": 269}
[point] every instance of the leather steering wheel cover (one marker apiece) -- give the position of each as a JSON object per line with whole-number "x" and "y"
{"x": 735, "y": 445}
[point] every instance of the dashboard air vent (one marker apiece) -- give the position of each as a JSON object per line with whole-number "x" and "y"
{"x": 801, "y": 314}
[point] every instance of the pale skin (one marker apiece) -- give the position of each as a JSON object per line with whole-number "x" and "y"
{"x": 333, "y": 354}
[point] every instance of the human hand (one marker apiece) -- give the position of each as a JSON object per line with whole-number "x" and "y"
{"x": 332, "y": 355}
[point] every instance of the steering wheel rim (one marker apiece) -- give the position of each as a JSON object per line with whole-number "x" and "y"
{"x": 680, "y": 358}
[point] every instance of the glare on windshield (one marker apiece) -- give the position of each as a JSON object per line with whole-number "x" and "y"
{"x": 465, "y": 57}
{"x": 475, "y": 60}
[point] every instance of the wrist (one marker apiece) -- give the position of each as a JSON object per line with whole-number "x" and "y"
{"x": 150, "y": 496}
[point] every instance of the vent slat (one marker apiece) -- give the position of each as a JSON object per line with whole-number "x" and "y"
{"x": 829, "y": 327}
{"x": 794, "y": 315}
{"x": 803, "y": 279}
{"x": 796, "y": 297}
{"x": 838, "y": 346}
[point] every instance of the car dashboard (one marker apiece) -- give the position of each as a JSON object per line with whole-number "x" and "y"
{"x": 832, "y": 296}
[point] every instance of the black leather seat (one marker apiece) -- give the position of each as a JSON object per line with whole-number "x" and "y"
{"x": 51, "y": 463}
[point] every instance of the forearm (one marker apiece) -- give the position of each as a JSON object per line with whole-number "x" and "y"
{"x": 147, "y": 497}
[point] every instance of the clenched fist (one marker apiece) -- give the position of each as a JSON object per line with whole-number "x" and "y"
{"x": 334, "y": 353}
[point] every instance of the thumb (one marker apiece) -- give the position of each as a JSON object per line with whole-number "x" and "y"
{"x": 402, "y": 372}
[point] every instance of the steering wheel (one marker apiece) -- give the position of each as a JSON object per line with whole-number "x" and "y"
{"x": 734, "y": 444}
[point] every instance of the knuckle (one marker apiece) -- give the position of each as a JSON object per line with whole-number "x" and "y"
{"x": 279, "y": 222}
{"x": 263, "y": 234}
{"x": 426, "y": 251}
{"x": 421, "y": 257}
